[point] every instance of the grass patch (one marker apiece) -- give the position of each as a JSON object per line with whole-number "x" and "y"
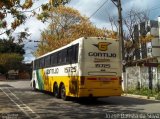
{"x": 145, "y": 92}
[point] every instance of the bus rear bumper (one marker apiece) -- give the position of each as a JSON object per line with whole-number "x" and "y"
{"x": 99, "y": 92}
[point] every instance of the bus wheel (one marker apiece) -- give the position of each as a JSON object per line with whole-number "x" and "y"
{"x": 63, "y": 93}
{"x": 55, "y": 91}
{"x": 34, "y": 85}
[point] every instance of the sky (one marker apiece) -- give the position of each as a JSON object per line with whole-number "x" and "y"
{"x": 89, "y": 8}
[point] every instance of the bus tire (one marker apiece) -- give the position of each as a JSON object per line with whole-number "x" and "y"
{"x": 63, "y": 93}
{"x": 55, "y": 91}
{"x": 34, "y": 85}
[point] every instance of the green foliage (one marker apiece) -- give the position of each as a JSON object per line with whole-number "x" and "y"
{"x": 43, "y": 16}
{"x": 10, "y": 61}
{"x": 8, "y": 46}
{"x": 3, "y": 70}
{"x": 157, "y": 89}
{"x": 17, "y": 9}
{"x": 56, "y": 3}
{"x": 145, "y": 92}
{"x": 157, "y": 96}
{"x": 65, "y": 25}
{"x": 13, "y": 8}
{"x": 11, "y": 55}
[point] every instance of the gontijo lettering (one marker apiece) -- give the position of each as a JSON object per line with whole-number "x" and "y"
{"x": 98, "y": 54}
{"x": 52, "y": 71}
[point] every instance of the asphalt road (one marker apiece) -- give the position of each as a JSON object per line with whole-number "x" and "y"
{"x": 19, "y": 101}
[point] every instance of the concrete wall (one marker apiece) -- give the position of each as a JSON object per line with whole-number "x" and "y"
{"x": 139, "y": 76}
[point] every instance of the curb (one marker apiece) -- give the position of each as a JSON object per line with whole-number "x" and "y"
{"x": 140, "y": 97}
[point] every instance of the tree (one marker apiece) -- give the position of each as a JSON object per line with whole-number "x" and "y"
{"x": 133, "y": 18}
{"x": 8, "y": 46}
{"x": 10, "y": 61}
{"x": 56, "y": 3}
{"x": 17, "y": 10}
{"x": 113, "y": 22}
{"x": 11, "y": 55}
{"x": 11, "y": 50}
{"x": 66, "y": 25}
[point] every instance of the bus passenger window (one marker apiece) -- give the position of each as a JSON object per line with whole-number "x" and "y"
{"x": 38, "y": 64}
{"x": 69, "y": 55}
{"x": 47, "y": 61}
{"x": 34, "y": 65}
{"x": 54, "y": 59}
{"x": 76, "y": 47}
{"x": 42, "y": 63}
{"x": 59, "y": 57}
{"x": 64, "y": 56}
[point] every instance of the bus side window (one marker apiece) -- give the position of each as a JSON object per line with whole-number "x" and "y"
{"x": 42, "y": 63}
{"x": 34, "y": 65}
{"x": 72, "y": 54}
{"x": 64, "y": 56}
{"x": 47, "y": 61}
{"x": 54, "y": 59}
{"x": 75, "y": 56}
{"x": 69, "y": 55}
{"x": 37, "y": 64}
{"x": 59, "y": 57}
{"x": 77, "y": 52}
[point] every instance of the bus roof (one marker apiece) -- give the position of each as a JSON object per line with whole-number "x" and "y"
{"x": 72, "y": 43}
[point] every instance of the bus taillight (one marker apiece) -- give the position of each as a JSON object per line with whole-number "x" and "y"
{"x": 120, "y": 80}
{"x": 82, "y": 80}
{"x": 91, "y": 78}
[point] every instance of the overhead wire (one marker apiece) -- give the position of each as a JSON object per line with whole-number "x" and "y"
{"x": 98, "y": 9}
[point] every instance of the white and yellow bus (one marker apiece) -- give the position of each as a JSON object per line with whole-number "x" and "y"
{"x": 86, "y": 67}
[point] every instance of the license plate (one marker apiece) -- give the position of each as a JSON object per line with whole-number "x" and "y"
{"x": 104, "y": 79}
{"x": 105, "y": 82}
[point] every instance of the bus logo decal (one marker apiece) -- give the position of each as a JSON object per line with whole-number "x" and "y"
{"x": 102, "y": 46}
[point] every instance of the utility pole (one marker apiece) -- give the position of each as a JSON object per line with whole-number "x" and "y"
{"x": 117, "y": 3}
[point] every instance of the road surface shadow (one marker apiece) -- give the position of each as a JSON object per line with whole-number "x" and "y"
{"x": 47, "y": 106}
{"x": 5, "y": 86}
{"x": 116, "y": 100}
